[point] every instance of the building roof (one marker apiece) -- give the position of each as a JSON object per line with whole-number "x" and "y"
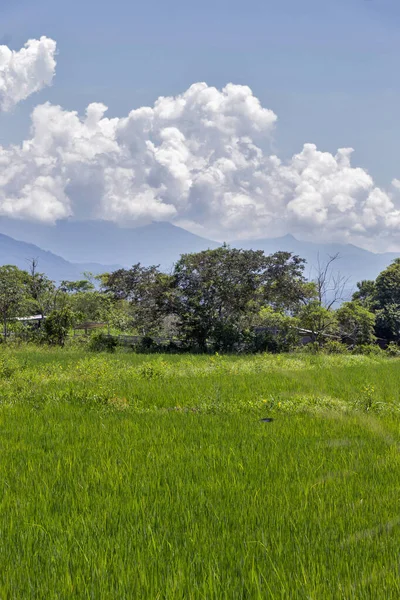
{"x": 31, "y": 318}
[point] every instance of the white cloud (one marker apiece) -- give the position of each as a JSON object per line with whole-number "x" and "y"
{"x": 196, "y": 160}
{"x": 27, "y": 71}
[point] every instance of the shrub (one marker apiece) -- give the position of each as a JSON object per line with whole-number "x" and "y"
{"x": 57, "y": 325}
{"x": 335, "y": 347}
{"x": 393, "y": 349}
{"x": 368, "y": 350}
{"x": 100, "y": 342}
{"x": 310, "y": 348}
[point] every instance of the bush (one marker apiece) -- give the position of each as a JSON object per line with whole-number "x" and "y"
{"x": 100, "y": 342}
{"x": 310, "y": 348}
{"x": 368, "y": 350}
{"x": 57, "y": 325}
{"x": 335, "y": 347}
{"x": 393, "y": 349}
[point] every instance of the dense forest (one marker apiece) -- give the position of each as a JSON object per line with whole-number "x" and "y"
{"x": 220, "y": 300}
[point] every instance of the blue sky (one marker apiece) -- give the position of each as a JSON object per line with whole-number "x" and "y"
{"x": 328, "y": 69}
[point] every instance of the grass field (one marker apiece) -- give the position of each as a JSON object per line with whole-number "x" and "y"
{"x": 127, "y": 476}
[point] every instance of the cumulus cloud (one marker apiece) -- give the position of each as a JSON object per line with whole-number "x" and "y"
{"x": 197, "y": 160}
{"x": 27, "y": 71}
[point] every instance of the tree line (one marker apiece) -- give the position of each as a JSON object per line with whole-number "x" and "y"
{"x": 224, "y": 300}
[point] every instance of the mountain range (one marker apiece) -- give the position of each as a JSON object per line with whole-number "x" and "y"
{"x": 67, "y": 249}
{"x": 14, "y": 252}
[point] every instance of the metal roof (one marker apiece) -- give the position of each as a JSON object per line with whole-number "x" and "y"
{"x": 32, "y": 318}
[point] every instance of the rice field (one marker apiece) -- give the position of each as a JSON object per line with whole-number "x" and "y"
{"x": 129, "y": 476}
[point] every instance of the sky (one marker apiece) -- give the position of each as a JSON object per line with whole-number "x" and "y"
{"x": 258, "y": 158}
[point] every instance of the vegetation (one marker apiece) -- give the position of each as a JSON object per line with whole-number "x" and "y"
{"x": 133, "y": 476}
{"x": 222, "y": 300}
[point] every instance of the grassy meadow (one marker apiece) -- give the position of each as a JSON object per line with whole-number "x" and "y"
{"x": 133, "y": 476}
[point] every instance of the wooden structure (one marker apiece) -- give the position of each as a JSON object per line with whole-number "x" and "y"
{"x": 90, "y": 325}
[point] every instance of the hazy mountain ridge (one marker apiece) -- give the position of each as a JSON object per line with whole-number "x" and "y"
{"x": 105, "y": 242}
{"x": 14, "y": 252}
{"x": 71, "y": 247}
{"x": 354, "y": 263}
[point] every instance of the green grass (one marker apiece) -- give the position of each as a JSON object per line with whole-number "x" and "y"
{"x": 127, "y": 476}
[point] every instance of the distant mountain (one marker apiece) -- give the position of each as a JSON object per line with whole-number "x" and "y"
{"x": 13, "y": 252}
{"x": 104, "y": 241}
{"x": 354, "y": 263}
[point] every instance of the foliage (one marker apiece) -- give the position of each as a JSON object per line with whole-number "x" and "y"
{"x": 222, "y": 300}
{"x": 357, "y": 323}
{"x": 393, "y": 349}
{"x": 387, "y": 302}
{"x": 148, "y": 292}
{"x": 319, "y": 321}
{"x": 366, "y": 293}
{"x": 219, "y": 292}
{"x": 92, "y": 305}
{"x": 100, "y": 342}
{"x": 368, "y": 350}
{"x": 276, "y": 331}
{"x": 57, "y": 325}
{"x": 12, "y": 292}
{"x": 335, "y": 347}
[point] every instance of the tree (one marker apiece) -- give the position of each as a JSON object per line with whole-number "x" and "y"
{"x": 13, "y": 284}
{"x": 41, "y": 290}
{"x": 357, "y": 324}
{"x": 71, "y": 287}
{"x": 148, "y": 292}
{"x": 365, "y": 293}
{"x": 92, "y": 305}
{"x": 219, "y": 292}
{"x": 320, "y": 321}
{"x": 276, "y": 331}
{"x": 387, "y": 285}
{"x": 386, "y": 301}
{"x": 58, "y": 324}
{"x": 284, "y": 286}
{"x": 330, "y": 285}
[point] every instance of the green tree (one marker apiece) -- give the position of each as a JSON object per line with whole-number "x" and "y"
{"x": 13, "y": 290}
{"x": 387, "y": 285}
{"x": 58, "y": 324}
{"x": 71, "y": 287}
{"x": 276, "y": 331}
{"x": 41, "y": 291}
{"x": 320, "y": 321}
{"x": 357, "y": 323}
{"x": 387, "y": 302}
{"x": 148, "y": 292}
{"x": 220, "y": 292}
{"x": 365, "y": 293}
{"x": 91, "y": 305}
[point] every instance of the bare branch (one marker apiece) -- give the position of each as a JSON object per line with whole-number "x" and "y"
{"x": 331, "y": 286}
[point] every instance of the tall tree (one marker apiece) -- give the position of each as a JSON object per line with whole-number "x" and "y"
{"x": 147, "y": 290}
{"x": 365, "y": 293}
{"x": 386, "y": 298}
{"x": 219, "y": 291}
{"x": 330, "y": 285}
{"x": 13, "y": 288}
{"x": 41, "y": 290}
